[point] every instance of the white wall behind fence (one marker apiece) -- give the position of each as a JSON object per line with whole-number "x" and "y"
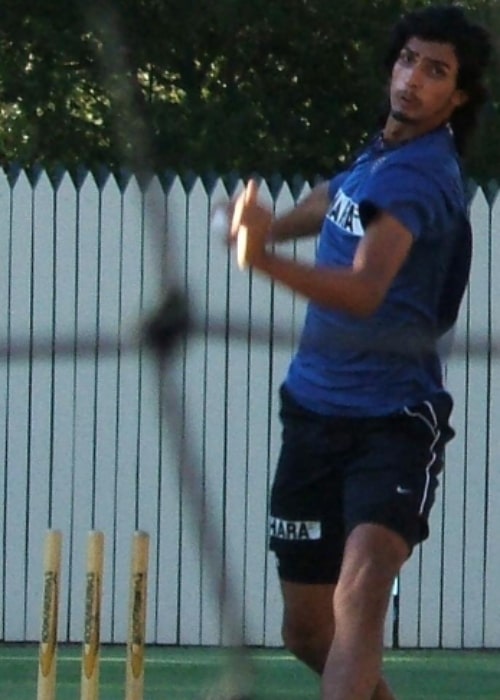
{"x": 87, "y": 442}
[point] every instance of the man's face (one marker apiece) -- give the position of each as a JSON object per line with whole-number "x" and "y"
{"x": 423, "y": 88}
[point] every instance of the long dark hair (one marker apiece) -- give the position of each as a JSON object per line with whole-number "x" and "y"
{"x": 448, "y": 24}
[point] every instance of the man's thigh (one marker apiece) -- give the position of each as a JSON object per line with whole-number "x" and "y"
{"x": 306, "y": 513}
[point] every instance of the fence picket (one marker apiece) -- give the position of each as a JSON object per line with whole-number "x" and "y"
{"x": 492, "y": 564}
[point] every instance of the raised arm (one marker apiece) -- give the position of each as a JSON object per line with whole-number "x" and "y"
{"x": 358, "y": 289}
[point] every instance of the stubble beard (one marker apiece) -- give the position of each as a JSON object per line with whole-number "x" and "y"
{"x": 401, "y": 117}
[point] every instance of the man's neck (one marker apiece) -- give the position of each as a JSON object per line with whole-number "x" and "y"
{"x": 396, "y": 131}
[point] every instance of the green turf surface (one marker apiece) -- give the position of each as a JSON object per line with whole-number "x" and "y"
{"x": 188, "y": 674}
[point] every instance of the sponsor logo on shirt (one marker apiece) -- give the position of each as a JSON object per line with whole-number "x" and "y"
{"x": 345, "y": 213}
{"x": 294, "y": 529}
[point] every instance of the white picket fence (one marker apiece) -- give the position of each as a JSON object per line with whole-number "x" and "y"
{"x": 87, "y": 443}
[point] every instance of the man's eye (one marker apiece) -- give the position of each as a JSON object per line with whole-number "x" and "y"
{"x": 438, "y": 72}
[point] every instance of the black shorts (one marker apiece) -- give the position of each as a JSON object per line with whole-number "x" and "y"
{"x": 335, "y": 473}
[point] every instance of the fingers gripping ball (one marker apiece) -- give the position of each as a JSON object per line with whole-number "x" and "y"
{"x": 244, "y": 243}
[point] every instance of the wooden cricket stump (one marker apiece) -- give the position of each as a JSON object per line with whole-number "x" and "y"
{"x": 90, "y": 661}
{"x": 47, "y": 659}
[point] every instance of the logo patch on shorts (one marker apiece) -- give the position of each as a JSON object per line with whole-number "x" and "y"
{"x": 294, "y": 529}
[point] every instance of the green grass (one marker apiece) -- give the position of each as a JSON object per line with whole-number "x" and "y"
{"x": 444, "y": 675}
{"x": 188, "y": 674}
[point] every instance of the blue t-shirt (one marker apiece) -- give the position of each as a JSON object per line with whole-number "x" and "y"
{"x": 367, "y": 367}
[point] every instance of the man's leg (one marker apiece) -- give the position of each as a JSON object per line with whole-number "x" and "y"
{"x": 373, "y": 556}
{"x": 308, "y": 627}
{"x": 308, "y": 622}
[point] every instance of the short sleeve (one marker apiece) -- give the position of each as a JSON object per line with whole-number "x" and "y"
{"x": 411, "y": 196}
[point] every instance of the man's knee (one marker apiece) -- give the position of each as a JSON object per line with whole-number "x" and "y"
{"x": 307, "y": 642}
{"x": 373, "y": 557}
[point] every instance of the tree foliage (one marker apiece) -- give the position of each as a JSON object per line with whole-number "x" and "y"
{"x": 224, "y": 85}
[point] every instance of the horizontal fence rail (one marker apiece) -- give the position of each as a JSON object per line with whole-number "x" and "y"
{"x": 96, "y": 438}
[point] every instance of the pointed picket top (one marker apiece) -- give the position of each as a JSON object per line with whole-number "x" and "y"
{"x": 265, "y": 193}
{"x": 43, "y": 180}
{"x": 175, "y": 186}
{"x": 302, "y": 192}
{"x": 479, "y": 208}
{"x": 65, "y": 181}
{"x": 284, "y": 199}
{"x": 297, "y": 185}
{"x": 198, "y": 208}
{"x": 154, "y": 187}
{"x": 197, "y": 188}
{"x": 218, "y": 192}
{"x": 237, "y": 186}
{"x": 107, "y": 182}
{"x": 21, "y": 180}
{"x": 177, "y": 199}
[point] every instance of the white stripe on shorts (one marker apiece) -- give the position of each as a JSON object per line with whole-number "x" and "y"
{"x": 432, "y": 424}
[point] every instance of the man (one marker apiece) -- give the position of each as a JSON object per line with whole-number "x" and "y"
{"x": 364, "y": 410}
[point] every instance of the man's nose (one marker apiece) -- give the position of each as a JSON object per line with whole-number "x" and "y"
{"x": 413, "y": 77}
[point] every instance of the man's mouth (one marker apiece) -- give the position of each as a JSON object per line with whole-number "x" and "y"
{"x": 407, "y": 100}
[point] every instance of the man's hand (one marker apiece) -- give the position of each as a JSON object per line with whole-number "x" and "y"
{"x": 250, "y": 227}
